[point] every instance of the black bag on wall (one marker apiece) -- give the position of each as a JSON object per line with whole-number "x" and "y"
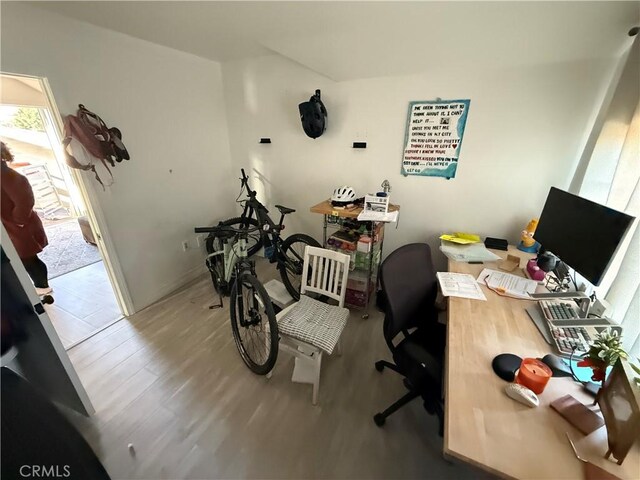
{"x": 313, "y": 116}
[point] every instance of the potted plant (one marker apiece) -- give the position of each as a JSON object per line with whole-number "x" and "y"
{"x": 604, "y": 352}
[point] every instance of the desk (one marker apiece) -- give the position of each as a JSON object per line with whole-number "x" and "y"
{"x": 486, "y": 428}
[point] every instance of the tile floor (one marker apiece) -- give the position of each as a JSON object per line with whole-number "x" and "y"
{"x": 84, "y": 303}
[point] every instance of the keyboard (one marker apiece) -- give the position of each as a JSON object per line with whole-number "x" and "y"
{"x": 569, "y": 335}
{"x": 558, "y": 310}
{"x": 574, "y": 340}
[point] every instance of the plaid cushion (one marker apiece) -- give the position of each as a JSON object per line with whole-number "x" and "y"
{"x": 314, "y": 322}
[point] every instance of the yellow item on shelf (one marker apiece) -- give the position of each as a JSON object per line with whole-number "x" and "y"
{"x": 461, "y": 238}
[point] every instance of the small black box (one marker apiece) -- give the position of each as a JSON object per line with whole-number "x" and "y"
{"x": 496, "y": 243}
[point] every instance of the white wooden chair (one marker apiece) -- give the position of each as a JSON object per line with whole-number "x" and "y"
{"x": 309, "y": 328}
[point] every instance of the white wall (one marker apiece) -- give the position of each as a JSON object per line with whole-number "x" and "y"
{"x": 170, "y": 109}
{"x": 525, "y": 132}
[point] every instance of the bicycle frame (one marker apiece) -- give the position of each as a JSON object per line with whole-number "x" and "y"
{"x": 232, "y": 252}
{"x": 269, "y": 230}
{"x": 284, "y": 252}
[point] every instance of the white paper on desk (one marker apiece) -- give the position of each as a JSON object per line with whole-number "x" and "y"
{"x": 512, "y": 285}
{"x": 460, "y": 285}
{"x": 475, "y": 252}
{"x": 372, "y": 216}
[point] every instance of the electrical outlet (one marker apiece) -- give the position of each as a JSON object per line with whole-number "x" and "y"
{"x": 200, "y": 240}
{"x": 185, "y": 245}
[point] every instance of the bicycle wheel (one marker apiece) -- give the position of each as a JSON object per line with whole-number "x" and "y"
{"x": 254, "y": 240}
{"x": 254, "y": 325}
{"x": 291, "y": 265}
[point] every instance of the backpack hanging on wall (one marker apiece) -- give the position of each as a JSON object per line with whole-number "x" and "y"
{"x": 96, "y": 139}
{"x": 313, "y": 116}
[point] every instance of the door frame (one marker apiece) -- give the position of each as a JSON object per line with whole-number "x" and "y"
{"x": 95, "y": 214}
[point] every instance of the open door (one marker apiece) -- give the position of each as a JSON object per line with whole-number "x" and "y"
{"x": 83, "y": 271}
{"x": 38, "y": 354}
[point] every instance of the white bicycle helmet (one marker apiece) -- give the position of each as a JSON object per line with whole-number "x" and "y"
{"x": 343, "y": 195}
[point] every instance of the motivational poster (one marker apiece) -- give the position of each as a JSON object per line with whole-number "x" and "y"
{"x": 434, "y": 137}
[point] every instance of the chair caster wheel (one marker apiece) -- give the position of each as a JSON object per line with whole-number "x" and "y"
{"x": 379, "y": 419}
{"x": 379, "y": 366}
{"x": 46, "y": 299}
{"x": 365, "y": 316}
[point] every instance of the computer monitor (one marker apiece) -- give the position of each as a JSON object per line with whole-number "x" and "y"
{"x": 582, "y": 233}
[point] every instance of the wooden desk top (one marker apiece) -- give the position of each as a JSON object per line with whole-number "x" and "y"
{"x": 325, "y": 208}
{"x": 486, "y": 428}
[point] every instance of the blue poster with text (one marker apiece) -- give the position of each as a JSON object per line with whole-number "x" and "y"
{"x": 433, "y": 138}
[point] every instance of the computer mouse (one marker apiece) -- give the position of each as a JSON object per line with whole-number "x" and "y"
{"x": 522, "y": 394}
{"x": 558, "y": 367}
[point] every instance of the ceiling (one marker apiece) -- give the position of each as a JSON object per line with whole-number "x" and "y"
{"x": 349, "y": 40}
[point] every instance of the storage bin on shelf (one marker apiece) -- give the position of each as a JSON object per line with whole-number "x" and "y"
{"x": 351, "y": 253}
{"x": 358, "y": 283}
{"x": 357, "y": 298}
{"x": 358, "y": 280}
{"x": 362, "y": 259}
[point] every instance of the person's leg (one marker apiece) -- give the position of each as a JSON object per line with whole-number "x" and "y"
{"x": 37, "y": 270}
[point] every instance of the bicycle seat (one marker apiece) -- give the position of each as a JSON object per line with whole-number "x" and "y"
{"x": 285, "y": 210}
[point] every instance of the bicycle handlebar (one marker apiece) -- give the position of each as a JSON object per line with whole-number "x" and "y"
{"x": 245, "y": 183}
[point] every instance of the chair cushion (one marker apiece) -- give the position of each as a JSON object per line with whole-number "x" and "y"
{"x": 314, "y": 322}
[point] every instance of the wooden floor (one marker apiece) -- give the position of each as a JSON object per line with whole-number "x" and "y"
{"x": 84, "y": 303}
{"x": 170, "y": 381}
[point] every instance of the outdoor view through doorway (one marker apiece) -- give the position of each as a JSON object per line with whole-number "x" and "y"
{"x": 84, "y": 298}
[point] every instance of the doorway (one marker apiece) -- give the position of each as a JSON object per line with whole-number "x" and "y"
{"x": 85, "y": 299}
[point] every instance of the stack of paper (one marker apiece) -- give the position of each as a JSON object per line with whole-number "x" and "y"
{"x": 459, "y": 285}
{"x": 475, "y": 252}
{"x": 372, "y": 216}
{"x": 507, "y": 283}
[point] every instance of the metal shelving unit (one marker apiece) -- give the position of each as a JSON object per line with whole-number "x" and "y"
{"x": 366, "y": 264}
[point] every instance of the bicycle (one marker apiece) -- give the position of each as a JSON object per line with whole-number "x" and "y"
{"x": 253, "y": 320}
{"x": 288, "y": 253}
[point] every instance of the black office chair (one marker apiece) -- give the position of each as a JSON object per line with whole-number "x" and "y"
{"x": 409, "y": 289}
